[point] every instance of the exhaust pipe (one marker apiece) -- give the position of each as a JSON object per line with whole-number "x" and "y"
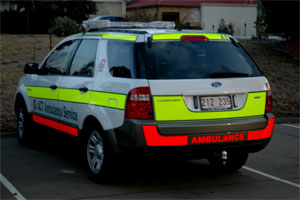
{"x": 224, "y": 157}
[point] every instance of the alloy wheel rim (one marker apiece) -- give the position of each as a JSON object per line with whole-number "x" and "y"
{"x": 21, "y": 123}
{"x": 95, "y": 153}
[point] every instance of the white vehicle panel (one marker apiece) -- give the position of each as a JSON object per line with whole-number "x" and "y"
{"x": 204, "y": 86}
{"x": 22, "y": 91}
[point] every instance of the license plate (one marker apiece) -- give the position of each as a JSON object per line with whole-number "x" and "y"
{"x": 215, "y": 103}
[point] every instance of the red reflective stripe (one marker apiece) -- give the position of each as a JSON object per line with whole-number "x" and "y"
{"x": 68, "y": 129}
{"x": 262, "y": 134}
{"x": 153, "y": 138}
{"x": 55, "y": 125}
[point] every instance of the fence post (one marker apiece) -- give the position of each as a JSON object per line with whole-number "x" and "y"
{"x": 33, "y": 54}
{"x": 50, "y": 38}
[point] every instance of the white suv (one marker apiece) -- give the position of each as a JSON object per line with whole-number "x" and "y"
{"x": 119, "y": 86}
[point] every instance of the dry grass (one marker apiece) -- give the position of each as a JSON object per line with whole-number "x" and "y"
{"x": 15, "y": 52}
{"x": 280, "y": 67}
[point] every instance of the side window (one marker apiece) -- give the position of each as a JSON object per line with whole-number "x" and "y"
{"x": 121, "y": 58}
{"x": 57, "y": 62}
{"x": 84, "y": 60}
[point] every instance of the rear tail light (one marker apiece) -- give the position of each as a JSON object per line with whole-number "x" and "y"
{"x": 194, "y": 38}
{"x": 139, "y": 104}
{"x": 269, "y": 99}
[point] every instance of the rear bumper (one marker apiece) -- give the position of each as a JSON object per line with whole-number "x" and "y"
{"x": 249, "y": 134}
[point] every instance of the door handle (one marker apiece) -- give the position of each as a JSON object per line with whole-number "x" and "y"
{"x": 83, "y": 89}
{"x": 53, "y": 87}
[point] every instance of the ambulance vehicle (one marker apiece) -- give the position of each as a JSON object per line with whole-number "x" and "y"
{"x": 147, "y": 87}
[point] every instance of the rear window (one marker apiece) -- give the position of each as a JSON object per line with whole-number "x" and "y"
{"x": 194, "y": 60}
{"x": 126, "y": 59}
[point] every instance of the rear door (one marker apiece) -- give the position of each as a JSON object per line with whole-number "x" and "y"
{"x": 203, "y": 78}
{"x": 75, "y": 89}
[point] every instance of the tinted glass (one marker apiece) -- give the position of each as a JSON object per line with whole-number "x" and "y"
{"x": 105, "y": 18}
{"x": 194, "y": 60}
{"x": 114, "y": 19}
{"x": 125, "y": 59}
{"x": 120, "y": 19}
{"x": 57, "y": 62}
{"x": 84, "y": 60}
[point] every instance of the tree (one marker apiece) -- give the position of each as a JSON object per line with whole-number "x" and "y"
{"x": 63, "y": 26}
{"x": 36, "y": 16}
{"x": 261, "y": 27}
{"x": 283, "y": 17}
{"x": 225, "y": 28}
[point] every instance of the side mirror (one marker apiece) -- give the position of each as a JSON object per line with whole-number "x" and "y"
{"x": 31, "y": 68}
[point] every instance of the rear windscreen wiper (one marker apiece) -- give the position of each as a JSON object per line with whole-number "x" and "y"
{"x": 228, "y": 75}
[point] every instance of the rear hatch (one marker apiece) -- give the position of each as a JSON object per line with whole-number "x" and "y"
{"x": 202, "y": 77}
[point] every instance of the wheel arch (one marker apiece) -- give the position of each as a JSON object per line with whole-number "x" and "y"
{"x": 22, "y": 96}
{"x": 90, "y": 122}
{"x": 19, "y": 99}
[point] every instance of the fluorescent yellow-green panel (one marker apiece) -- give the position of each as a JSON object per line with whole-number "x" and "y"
{"x": 119, "y": 36}
{"x": 172, "y": 108}
{"x": 111, "y": 36}
{"x": 42, "y": 92}
{"x": 91, "y": 34}
{"x": 108, "y": 100}
{"x": 177, "y": 36}
{"x": 74, "y": 95}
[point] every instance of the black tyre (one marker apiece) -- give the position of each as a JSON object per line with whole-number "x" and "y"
{"x": 96, "y": 155}
{"x": 24, "y": 126}
{"x": 234, "y": 161}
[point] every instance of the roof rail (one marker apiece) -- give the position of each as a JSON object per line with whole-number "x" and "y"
{"x": 100, "y": 24}
{"x": 119, "y": 30}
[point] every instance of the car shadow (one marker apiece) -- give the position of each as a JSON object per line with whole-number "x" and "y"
{"x": 129, "y": 169}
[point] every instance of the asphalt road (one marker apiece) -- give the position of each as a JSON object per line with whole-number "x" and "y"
{"x": 50, "y": 170}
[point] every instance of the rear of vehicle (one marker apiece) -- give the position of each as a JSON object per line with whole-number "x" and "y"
{"x": 150, "y": 90}
{"x": 205, "y": 96}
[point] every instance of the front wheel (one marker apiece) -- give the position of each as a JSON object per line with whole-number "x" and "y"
{"x": 24, "y": 126}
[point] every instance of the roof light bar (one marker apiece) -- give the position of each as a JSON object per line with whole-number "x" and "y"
{"x": 97, "y": 24}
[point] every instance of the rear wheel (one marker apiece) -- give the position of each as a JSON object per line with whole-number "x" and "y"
{"x": 24, "y": 126}
{"x": 96, "y": 155}
{"x": 230, "y": 162}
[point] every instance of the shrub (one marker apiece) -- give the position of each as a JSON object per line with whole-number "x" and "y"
{"x": 63, "y": 26}
{"x": 180, "y": 25}
{"x": 225, "y": 28}
{"x": 140, "y": 15}
{"x": 261, "y": 27}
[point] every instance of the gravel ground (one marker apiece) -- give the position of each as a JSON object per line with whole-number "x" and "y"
{"x": 277, "y": 63}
